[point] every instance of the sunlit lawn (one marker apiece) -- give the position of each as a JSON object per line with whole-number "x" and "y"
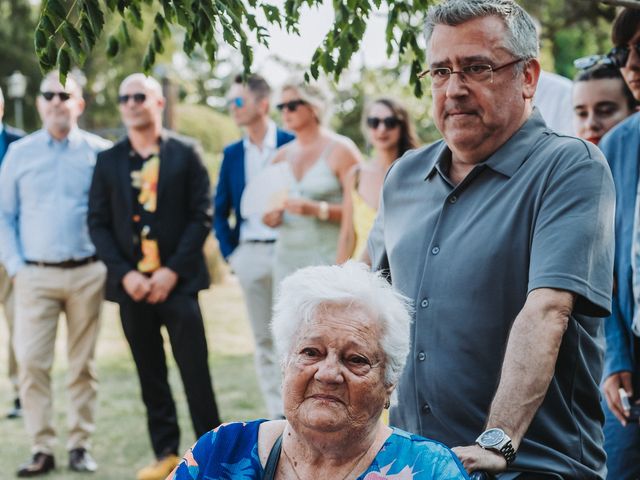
{"x": 121, "y": 443}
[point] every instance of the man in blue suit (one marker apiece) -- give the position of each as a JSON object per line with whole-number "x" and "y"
{"x": 621, "y": 146}
{"x": 9, "y": 135}
{"x": 248, "y": 244}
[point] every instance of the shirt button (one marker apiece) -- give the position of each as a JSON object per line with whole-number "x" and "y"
{"x": 453, "y": 199}
{"x": 424, "y": 303}
{"x": 435, "y": 250}
{"x": 426, "y": 409}
{"x": 422, "y": 356}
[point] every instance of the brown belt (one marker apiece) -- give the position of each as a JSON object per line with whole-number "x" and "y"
{"x": 65, "y": 264}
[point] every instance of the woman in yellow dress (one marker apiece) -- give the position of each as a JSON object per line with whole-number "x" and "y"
{"x": 390, "y": 133}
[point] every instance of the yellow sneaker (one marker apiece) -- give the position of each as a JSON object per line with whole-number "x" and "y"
{"x": 160, "y": 469}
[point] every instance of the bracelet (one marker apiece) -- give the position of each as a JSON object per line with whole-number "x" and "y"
{"x": 323, "y": 211}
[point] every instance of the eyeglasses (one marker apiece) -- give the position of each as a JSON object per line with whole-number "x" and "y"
{"x": 584, "y": 63}
{"x": 620, "y": 55}
{"x": 237, "y": 102}
{"x": 292, "y": 106}
{"x": 389, "y": 122}
{"x": 63, "y": 96}
{"x": 475, "y": 73}
{"x": 136, "y": 97}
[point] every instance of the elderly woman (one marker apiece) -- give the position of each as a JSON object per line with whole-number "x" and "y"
{"x": 319, "y": 160}
{"x": 343, "y": 337}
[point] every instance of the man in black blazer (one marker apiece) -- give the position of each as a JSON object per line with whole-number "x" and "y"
{"x": 9, "y": 135}
{"x": 149, "y": 215}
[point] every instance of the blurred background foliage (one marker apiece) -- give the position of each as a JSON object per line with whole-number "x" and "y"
{"x": 569, "y": 29}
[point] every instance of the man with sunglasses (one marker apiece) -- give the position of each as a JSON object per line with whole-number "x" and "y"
{"x": 8, "y": 135}
{"x": 149, "y": 215}
{"x": 502, "y": 235}
{"x": 248, "y": 244}
{"x": 46, "y": 249}
{"x": 621, "y": 146}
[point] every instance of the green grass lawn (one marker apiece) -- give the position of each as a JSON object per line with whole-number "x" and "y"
{"x": 121, "y": 444}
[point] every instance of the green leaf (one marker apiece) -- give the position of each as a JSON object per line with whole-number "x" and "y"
{"x": 64, "y": 64}
{"x": 123, "y": 34}
{"x": 112, "y": 46}
{"x": 157, "y": 42}
{"x": 72, "y": 37}
{"x": 88, "y": 34}
{"x": 56, "y": 9}
{"x": 148, "y": 60}
{"x": 51, "y": 53}
{"x": 40, "y": 39}
{"x": 112, "y": 5}
{"x": 96, "y": 17}
{"x": 46, "y": 25}
{"x": 161, "y": 24}
{"x": 169, "y": 11}
{"x": 135, "y": 15}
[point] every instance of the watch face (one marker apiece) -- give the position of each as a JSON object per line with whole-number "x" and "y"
{"x": 491, "y": 437}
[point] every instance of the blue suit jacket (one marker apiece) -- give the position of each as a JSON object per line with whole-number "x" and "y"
{"x": 621, "y": 146}
{"x": 8, "y": 136}
{"x": 231, "y": 181}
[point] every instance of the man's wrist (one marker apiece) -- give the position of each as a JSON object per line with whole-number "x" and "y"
{"x": 497, "y": 440}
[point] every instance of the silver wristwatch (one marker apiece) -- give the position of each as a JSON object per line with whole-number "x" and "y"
{"x": 495, "y": 439}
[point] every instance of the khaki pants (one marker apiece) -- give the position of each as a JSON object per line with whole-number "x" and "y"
{"x": 253, "y": 265}
{"x": 6, "y": 298}
{"x": 41, "y": 294}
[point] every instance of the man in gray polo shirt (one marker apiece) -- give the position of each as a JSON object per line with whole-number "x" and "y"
{"x": 502, "y": 234}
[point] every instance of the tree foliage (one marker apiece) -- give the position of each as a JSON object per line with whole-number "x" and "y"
{"x": 68, "y": 31}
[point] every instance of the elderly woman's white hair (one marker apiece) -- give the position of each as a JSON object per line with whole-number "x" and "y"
{"x": 352, "y": 285}
{"x": 315, "y": 94}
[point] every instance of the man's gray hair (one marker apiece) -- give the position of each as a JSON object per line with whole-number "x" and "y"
{"x": 521, "y": 39}
{"x": 350, "y": 286}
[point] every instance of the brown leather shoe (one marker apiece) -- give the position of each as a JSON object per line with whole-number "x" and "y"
{"x": 81, "y": 461}
{"x": 39, "y": 464}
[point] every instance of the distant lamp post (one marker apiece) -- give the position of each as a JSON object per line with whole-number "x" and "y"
{"x": 17, "y": 87}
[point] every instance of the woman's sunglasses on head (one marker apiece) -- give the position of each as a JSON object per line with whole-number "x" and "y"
{"x": 63, "y": 96}
{"x": 136, "y": 97}
{"x": 389, "y": 122}
{"x": 291, "y": 106}
{"x": 585, "y": 63}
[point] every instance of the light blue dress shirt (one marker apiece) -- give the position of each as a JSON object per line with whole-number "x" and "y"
{"x": 44, "y": 195}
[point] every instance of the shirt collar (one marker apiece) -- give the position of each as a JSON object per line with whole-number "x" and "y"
{"x": 508, "y": 158}
{"x": 270, "y": 139}
{"x": 72, "y": 138}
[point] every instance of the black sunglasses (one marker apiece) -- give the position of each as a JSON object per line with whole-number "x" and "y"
{"x": 389, "y": 122}
{"x": 137, "y": 98}
{"x": 291, "y": 106}
{"x": 63, "y": 96}
{"x": 620, "y": 55}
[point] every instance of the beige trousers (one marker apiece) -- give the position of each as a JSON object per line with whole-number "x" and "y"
{"x": 6, "y": 298}
{"x": 253, "y": 265}
{"x": 41, "y": 294}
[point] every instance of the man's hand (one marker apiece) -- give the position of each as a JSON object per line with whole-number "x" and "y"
{"x": 136, "y": 285}
{"x": 476, "y": 458}
{"x": 162, "y": 282}
{"x": 273, "y": 218}
{"x": 610, "y": 389}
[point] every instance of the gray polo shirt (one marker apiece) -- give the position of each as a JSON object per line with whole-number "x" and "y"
{"x": 537, "y": 213}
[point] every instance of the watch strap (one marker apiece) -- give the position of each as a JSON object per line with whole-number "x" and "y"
{"x": 508, "y": 452}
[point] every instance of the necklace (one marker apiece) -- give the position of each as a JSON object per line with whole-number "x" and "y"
{"x": 295, "y": 471}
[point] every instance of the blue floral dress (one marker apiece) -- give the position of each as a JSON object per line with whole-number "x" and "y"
{"x": 230, "y": 452}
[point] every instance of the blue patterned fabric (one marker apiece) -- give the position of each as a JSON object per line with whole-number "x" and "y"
{"x": 231, "y": 452}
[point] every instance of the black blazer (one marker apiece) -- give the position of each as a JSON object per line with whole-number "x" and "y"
{"x": 183, "y": 214}
{"x": 8, "y": 136}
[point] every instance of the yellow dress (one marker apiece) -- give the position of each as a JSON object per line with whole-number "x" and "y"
{"x": 363, "y": 218}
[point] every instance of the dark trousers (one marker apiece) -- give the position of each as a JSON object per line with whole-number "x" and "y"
{"x": 181, "y": 316}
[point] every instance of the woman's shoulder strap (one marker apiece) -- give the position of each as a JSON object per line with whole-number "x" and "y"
{"x": 272, "y": 462}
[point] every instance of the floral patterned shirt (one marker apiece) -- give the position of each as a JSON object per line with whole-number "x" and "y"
{"x": 231, "y": 452}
